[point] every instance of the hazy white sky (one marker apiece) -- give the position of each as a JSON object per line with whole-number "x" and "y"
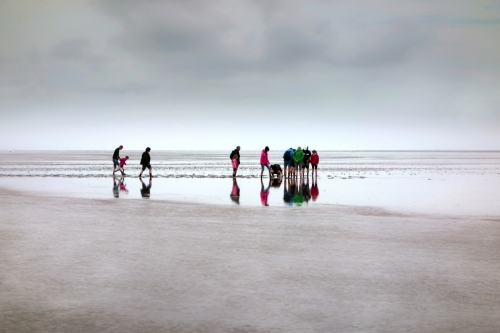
{"x": 192, "y": 74}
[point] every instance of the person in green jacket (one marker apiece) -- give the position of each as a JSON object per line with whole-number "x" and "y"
{"x": 298, "y": 157}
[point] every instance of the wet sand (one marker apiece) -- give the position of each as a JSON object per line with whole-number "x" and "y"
{"x": 88, "y": 265}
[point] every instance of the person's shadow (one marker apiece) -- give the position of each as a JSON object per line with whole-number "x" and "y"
{"x": 235, "y": 192}
{"x": 146, "y": 190}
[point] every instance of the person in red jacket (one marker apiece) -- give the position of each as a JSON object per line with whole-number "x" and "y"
{"x": 315, "y": 162}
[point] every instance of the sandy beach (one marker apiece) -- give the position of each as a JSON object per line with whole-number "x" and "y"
{"x": 395, "y": 242}
{"x": 88, "y": 265}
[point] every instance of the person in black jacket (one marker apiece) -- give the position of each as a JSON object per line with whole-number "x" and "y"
{"x": 146, "y": 162}
{"x": 235, "y": 159}
{"x": 116, "y": 160}
{"x": 306, "y": 161}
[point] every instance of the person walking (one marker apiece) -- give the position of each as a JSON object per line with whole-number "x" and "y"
{"x": 307, "y": 160}
{"x": 298, "y": 158}
{"x": 314, "y": 163}
{"x": 264, "y": 162}
{"x": 235, "y": 159}
{"x": 287, "y": 161}
{"x": 116, "y": 160}
{"x": 146, "y": 163}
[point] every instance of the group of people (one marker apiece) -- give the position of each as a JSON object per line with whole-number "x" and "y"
{"x": 295, "y": 162}
{"x": 119, "y": 163}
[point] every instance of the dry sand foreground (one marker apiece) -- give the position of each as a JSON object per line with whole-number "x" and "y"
{"x": 80, "y": 265}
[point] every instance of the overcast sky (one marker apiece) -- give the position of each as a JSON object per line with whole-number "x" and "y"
{"x": 368, "y": 74}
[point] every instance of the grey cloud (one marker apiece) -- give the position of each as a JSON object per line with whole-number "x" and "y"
{"x": 71, "y": 49}
{"x": 80, "y": 50}
{"x": 122, "y": 89}
{"x": 194, "y": 37}
{"x": 391, "y": 45}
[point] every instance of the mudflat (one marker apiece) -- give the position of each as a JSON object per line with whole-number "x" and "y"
{"x": 91, "y": 265}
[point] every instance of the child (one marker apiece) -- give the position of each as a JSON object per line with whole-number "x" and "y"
{"x": 315, "y": 162}
{"x": 123, "y": 161}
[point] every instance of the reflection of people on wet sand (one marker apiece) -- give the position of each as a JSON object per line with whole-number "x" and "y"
{"x": 298, "y": 198}
{"x": 288, "y": 192}
{"x": 276, "y": 182}
{"x": 123, "y": 186}
{"x": 305, "y": 190}
{"x": 235, "y": 192}
{"x": 116, "y": 192}
{"x": 314, "y": 189}
{"x": 145, "y": 190}
{"x": 264, "y": 193}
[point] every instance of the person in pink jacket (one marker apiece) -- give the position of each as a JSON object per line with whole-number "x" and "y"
{"x": 264, "y": 161}
{"x": 123, "y": 162}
